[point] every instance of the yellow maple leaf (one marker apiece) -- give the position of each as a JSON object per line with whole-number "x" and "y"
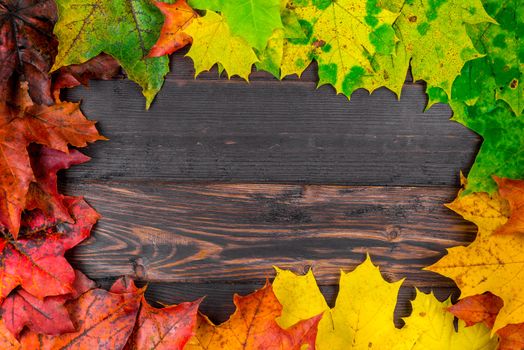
{"x": 343, "y": 37}
{"x": 493, "y": 262}
{"x": 430, "y": 327}
{"x": 363, "y": 313}
{"x": 213, "y": 44}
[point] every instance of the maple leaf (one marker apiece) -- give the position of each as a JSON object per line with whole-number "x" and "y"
{"x": 435, "y": 37}
{"x": 27, "y": 46}
{"x": 343, "y": 37}
{"x": 102, "y": 67}
{"x": 36, "y": 261}
{"x": 103, "y": 320}
{"x": 430, "y": 327}
{"x": 49, "y": 315}
{"x": 270, "y": 58}
{"x": 172, "y": 37}
{"x": 492, "y": 263}
{"x": 213, "y": 43}
{"x": 124, "y": 29}
{"x": 7, "y": 339}
{"x": 363, "y": 312}
{"x": 253, "y": 326}
{"x": 168, "y": 328}
{"x": 484, "y": 308}
{"x": 513, "y": 192}
{"x": 254, "y": 21}
{"x": 43, "y": 192}
{"x": 23, "y": 123}
{"x": 475, "y": 106}
{"x": 501, "y": 44}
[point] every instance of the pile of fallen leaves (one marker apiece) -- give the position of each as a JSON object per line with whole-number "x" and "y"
{"x": 469, "y": 52}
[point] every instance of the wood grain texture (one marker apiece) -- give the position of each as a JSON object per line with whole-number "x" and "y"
{"x": 272, "y": 132}
{"x": 202, "y": 233}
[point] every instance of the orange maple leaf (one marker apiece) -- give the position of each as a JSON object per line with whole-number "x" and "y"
{"x": 513, "y": 192}
{"x": 253, "y": 326}
{"x": 172, "y": 38}
{"x": 484, "y": 308}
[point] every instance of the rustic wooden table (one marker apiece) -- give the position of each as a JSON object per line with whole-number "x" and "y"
{"x": 221, "y": 180}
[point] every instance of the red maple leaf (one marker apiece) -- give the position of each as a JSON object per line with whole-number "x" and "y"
{"x": 36, "y": 261}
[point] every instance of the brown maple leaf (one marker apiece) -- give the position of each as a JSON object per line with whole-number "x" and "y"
{"x": 513, "y": 192}
{"x": 172, "y": 37}
{"x": 23, "y": 123}
{"x": 102, "y": 67}
{"x": 36, "y": 261}
{"x": 103, "y": 320}
{"x": 253, "y": 326}
{"x": 485, "y": 308}
{"x": 27, "y": 46}
{"x": 48, "y": 315}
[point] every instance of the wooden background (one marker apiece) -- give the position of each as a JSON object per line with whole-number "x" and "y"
{"x": 221, "y": 180}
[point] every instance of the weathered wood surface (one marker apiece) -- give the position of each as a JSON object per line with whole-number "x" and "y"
{"x": 221, "y": 179}
{"x": 222, "y": 232}
{"x": 270, "y": 131}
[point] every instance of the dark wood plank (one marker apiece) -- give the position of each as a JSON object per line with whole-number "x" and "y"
{"x": 222, "y": 233}
{"x": 274, "y": 132}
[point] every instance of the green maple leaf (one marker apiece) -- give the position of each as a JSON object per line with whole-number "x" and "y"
{"x": 125, "y": 29}
{"x": 344, "y": 37}
{"x": 270, "y": 59}
{"x": 475, "y": 106}
{"x": 503, "y": 46}
{"x": 435, "y": 37}
{"x": 253, "y": 20}
{"x": 213, "y": 43}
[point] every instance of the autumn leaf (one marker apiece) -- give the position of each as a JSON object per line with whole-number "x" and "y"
{"x": 363, "y": 312}
{"x": 7, "y": 339}
{"x": 48, "y": 315}
{"x": 124, "y": 29}
{"x": 484, "y": 309}
{"x": 253, "y": 326}
{"x": 23, "y": 123}
{"x": 103, "y": 320}
{"x": 27, "y": 47}
{"x": 435, "y": 37}
{"x": 213, "y": 43}
{"x": 43, "y": 192}
{"x": 501, "y": 43}
{"x": 168, "y": 328}
{"x": 493, "y": 262}
{"x": 431, "y": 327}
{"x": 343, "y": 38}
{"x": 270, "y": 58}
{"x": 102, "y": 67}
{"x": 172, "y": 37}
{"x": 513, "y": 192}
{"x": 254, "y": 21}
{"x": 36, "y": 260}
